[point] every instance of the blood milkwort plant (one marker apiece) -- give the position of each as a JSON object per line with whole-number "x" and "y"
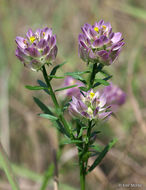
{"x": 99, "y": 47}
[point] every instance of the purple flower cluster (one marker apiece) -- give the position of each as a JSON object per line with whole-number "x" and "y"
{"x": 98, "y": 43}
{"x": 72, "y": 91}
{"x": 114, "y": 96}
{"x": 37, "y": 48}
{"x": 90, "y": 105}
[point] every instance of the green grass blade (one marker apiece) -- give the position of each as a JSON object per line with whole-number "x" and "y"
{"x": 47, "y": 176}
{"x": 135, "y": 11}
{"x": 4, "y": 162}
{"x": 26, "y": 173}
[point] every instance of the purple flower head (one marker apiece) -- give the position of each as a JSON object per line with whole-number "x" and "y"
{"x": 75, "y": 91}
{"x": 90, "y": 105}
{"x": 37, "y": 48}
{"x": 114, "y": 96}
{"x": 97, "y": 43}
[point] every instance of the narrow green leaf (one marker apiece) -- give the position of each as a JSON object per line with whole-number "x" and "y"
{"x": 48, "y": 116}
{"x": 77, "y": 77}
{"x": 56, "y": 77}
{"x": 54, "y": 70}
{"x": 83, "y": 88}
{"x": 68, "y": 141}
{"x": 96, "y": 147}
{"x": 105, "y": 79}
{"x": 41, "y": 83}
{"x": 4, "y": 162}
{"x": 102, "y": 81}
{"x": 42, "y": 106}
{"x": 76, "y": 73}
{"x": 94, "y": 133}
{"x": 26, "y": 173}
{"x": 67, "y": 87}
{"x": 35, "y": 87}
{"x": 81, "y": 131}
{"x": 102, "y": 154}
{"x": 46, "y": 110}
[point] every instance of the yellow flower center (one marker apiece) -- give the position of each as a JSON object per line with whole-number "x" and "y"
{"x": 104, "y": 27}
{"x": 96, "y": 29}
{"x": 92, "y": 94}
{"x": 32, "y": 39}
{"x": 43, "y": 33}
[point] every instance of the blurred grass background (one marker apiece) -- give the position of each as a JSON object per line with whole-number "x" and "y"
{"x": 29, "y": 140}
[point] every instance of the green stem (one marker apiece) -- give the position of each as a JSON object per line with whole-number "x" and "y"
{"x": 87, "y": 145}
{"x": 54, "y": 99}
{"x": 6, "y": 165}
{"x": 50, "y": 87}
{"x": 82, "y": 176}
{"x": 92, "y": 76}
{"x": 81, "y": 162}
{"x": 95, "y": 69}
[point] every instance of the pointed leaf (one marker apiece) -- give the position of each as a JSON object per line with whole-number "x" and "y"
{"x": 67, "y": 87}
{"x": 83, "y": 88}
{"x": 46, "y": 110}
{"x": 102, "y": 154}
{"x": 81, "y": 131}
{"x": 54, "y": 70}
{"x": 35, "y": 87}
{"x": 76, "y": 73}
{"x": 48, "y": 116}
{"x": 68, "y": 141}
{"x": 42, "y": 106}
{"x": 56, "y": 77}
{"x": 41, "y": 83}
{"x": 100, "y": 82}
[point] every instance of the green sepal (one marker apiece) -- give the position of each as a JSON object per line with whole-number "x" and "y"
{"x": 64, "y": 88}
{"x": 102, "y": 155}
